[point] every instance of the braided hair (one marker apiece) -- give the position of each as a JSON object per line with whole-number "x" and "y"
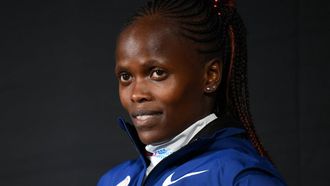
{"x": 218, "y": 30}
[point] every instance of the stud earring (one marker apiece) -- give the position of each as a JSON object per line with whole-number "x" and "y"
{"x": 211, "y": 89}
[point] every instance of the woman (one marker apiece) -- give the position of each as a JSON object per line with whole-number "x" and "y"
{"x": 181, "y": 67}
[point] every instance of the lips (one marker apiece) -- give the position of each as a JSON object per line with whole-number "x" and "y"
{"x": 143, "y": 113}
{"x": 145, "y": 118}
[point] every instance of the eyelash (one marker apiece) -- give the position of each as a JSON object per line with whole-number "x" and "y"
{"x": 122, "y": 76}
{"x": 156, "y": 74}
{"x": 160, "y": 74}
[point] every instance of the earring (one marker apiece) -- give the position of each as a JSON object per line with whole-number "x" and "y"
{"x": 211, "y": 89}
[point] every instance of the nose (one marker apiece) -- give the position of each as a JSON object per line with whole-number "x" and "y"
{"x": 140, "y": 92}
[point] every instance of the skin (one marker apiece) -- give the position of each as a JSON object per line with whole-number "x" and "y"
{"x": 163, "y": 79}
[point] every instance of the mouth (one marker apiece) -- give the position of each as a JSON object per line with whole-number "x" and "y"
{"x": 144, "y": 118}
{"x": 144, "y": 114}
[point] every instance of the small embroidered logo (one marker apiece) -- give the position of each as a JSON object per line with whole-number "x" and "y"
{"x": 162, "y": 153}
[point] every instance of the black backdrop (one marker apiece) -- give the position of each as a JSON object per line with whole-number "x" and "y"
{"x": 59, "y": 102}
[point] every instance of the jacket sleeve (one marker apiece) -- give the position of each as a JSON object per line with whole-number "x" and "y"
{"x": 103, "y": 181}
{"x": 257, "y": 177}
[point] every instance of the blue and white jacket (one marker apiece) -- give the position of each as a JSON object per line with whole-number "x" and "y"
{"x": 219, "y": 155}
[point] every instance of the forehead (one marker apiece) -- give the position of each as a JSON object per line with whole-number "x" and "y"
{"x": 150, "y": 26}
{"x": 153, "y": 34}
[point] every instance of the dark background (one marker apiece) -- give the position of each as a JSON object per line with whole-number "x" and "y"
{"x": 59, "y": 101}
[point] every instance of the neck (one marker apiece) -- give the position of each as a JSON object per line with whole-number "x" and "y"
{"x": 162, "y": 150}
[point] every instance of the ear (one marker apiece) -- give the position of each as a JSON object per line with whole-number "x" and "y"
{"x": 212, "y": 74}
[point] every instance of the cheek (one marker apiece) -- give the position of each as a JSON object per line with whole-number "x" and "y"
{"x": 179, "y": 95}
{"x": 124, "y": 97}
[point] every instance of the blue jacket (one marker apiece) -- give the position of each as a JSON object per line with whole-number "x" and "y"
{"x": 218, "y": 155}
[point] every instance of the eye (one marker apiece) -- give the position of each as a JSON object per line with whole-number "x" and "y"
{"x": 158, "y": 74}
{"x": 125, "y": 77}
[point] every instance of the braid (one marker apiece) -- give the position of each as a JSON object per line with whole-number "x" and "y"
{"x": 238, "y": 88}
{"x": 219, "y": 32}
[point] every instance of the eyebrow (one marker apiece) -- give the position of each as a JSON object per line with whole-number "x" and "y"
{"x": 145, "y": 64}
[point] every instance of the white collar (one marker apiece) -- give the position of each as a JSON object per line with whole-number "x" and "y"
{"x": 162, "y": 150}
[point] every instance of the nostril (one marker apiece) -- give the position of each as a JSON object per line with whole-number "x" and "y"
{"x": 140, "y": 98}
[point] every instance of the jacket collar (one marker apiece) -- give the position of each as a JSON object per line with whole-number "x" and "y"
{"x": 132, "y": 134}
{"x": 215, "y": 126}
{"x": 209, "y": 132}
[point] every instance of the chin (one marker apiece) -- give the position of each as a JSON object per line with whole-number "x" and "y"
{"x": 149, "y": 137}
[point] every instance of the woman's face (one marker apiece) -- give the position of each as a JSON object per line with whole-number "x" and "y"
{"x": 161, "y": 80}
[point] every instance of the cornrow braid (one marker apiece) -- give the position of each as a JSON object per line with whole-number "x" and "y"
{"x": 218, "y": 30}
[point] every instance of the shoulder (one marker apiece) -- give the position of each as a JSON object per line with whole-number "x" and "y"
{"x": 120, "y": 172}
{"x": 232, "y": 159}
{"x": 258, "y": 177}
{"x": 237, "y": 167}
{"x": 236, "y": 162}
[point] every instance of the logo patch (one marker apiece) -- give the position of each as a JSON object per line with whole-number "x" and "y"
{"x": 169, "y": 181}
{"x": 125, "y": 182}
